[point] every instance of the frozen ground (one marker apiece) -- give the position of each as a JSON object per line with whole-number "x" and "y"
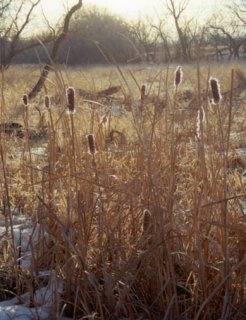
{"x": 41, "y": 305}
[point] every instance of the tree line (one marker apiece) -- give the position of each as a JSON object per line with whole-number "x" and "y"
{"x": 96, "y": 36}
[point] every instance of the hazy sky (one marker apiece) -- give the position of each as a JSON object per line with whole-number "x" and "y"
{"x": 129, "y": 9}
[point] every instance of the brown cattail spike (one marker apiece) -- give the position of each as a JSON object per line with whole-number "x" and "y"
{"x": 215, "y": 89}
{"x": 147, "y": 221}
{"x": 91, "y": 143}
{"x": 25, "y": 99}
{"x": 71, "y": 99}
{"x": 143, "y": 92}
{"x": 47, "y": 102}
{"x": 178, "y": 76}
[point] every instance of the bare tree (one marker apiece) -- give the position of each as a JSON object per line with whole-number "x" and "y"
{"x": 53, "y": 55}
{"x": 15, "y": 17}
{"x": 194, "y": 32}
{"x": 4, "y": 6}
{"x": 93, "y": 27}
{"x": 146, "y": 36}
{"x": 176, "y": 9}
{"x": 238, "y": 8}
{"x": 163, "y": 34}
{"x": 228, "y": 30}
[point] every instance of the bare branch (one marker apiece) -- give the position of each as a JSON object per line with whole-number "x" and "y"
{"x": 45, "y": 72}
{"x": 176, "y": 14}
{"x": 4, "y": 6}
{"x": 19, "y": 30}
{"x": 48, "y": 23}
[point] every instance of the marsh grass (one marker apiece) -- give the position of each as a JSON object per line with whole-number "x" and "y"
{"x": 152, "y": 224}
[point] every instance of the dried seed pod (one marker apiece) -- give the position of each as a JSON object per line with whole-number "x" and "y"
{"x": 25, "y": 99}
{"x": 143, "y": 92}
{"x": 199, "y": 121}
{"x": 215, "y": 89}
{"x": 147, "y": 223}
{"x": 71, "y": 99}
{"x": 178, "y": 76}
{"x": 91, "y": 143}
{"x": 47, "y": 102}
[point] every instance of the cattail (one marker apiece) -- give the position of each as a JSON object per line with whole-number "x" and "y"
{"x": 147, "y": 223}
{"x": 178, "y": 76}
{"x": 215, "y": 89}
{"x": 25, "y": 99}
{"x": 71, "y": 99}
{"x": 199, "y": 121}
{"x": 143, "y": 92}
{"x": 47, "y": 102}
{"x": 91, "y": 143}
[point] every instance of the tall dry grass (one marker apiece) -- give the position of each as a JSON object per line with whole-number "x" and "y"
{"x": 140, "y": 216}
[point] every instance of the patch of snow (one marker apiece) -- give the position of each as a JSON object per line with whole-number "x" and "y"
{"x": 25, "y": 232}
{"x": 44, "y": 299}
{"x": 39, "y": 152}
{"x": 117, "y": 111}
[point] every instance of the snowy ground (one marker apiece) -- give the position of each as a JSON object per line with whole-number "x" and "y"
{"x": 41, "y": 306}
{"x": 20, "y": 308}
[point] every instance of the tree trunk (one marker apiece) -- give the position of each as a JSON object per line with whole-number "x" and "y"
{"x": 45, "y": 72}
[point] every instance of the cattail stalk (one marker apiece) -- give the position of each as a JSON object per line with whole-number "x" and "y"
{"x": 225, "y": 204}
{"x": 71, "y": 111}
{"x": 52, "y": 151}
{"x": 48, "y": 107}
{"x": 27, "y": 135}
{"x": 101, "y": 213}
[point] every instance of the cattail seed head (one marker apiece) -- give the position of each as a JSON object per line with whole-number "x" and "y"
{"x": 91, "y": 143}
{"x": 25, "y": 99}
{"x": 199, "y": 122}
{"x": 47, "y": 102}
{"x": 147, "y": 221}
{"x": 178, "y": 76}
{"x": 215, "y": 89}
{"x": 143, "y": 92}
{"x": 71, "y": 99}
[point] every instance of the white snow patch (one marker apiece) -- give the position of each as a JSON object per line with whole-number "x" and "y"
{"x": 44, "y": 299}
{"x": 26, "y": 232}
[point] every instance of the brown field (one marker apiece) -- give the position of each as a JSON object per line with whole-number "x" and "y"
{"x": 152, "y": 225}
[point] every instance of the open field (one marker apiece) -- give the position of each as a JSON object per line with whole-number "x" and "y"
{"x": 151, "y": 225}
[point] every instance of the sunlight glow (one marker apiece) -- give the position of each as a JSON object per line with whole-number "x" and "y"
{"x": 129, "y": 9}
